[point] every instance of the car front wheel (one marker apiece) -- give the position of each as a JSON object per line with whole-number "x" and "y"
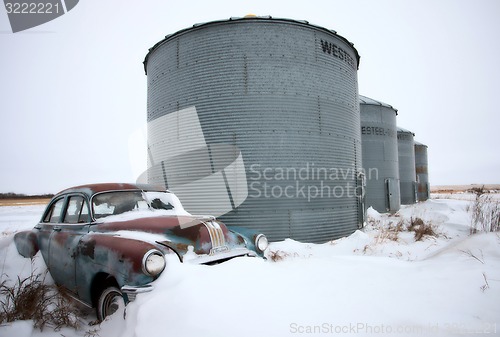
{"x": 110, "y": 301}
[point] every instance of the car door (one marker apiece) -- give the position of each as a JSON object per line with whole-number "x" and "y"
{"x": 66, "y": 234}
{"x": 45, "y": 228}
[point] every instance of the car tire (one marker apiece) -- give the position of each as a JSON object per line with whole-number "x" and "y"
{"x": 110, "y": 301}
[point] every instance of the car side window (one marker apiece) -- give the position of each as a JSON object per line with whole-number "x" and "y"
{"x": 77, "y": 210}
{"x": 54, "y": 213}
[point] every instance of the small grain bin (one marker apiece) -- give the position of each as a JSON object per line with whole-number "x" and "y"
{"x": 407, "y": 176}
{"x": 380, "y": 154}
{"x": 259, "y": 115}
{"x": 421, "y": 170}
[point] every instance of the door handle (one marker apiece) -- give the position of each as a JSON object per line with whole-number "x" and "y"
{"x": 57, "y": 229}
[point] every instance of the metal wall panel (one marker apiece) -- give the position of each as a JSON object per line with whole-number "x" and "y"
{"x": 407, "y": 176}
{"x": 285, "y": 94}
{"x": 380, "y": 154}
{"x": 421, "y": 170}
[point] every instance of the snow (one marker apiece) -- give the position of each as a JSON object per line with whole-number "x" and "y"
{"x": 377, "y": 281}
{"x": 139, "y": 214}
{"x": 143, "y": 236}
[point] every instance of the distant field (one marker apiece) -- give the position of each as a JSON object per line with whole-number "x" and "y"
{"x": 23, "y": 201}
{"x": 463, "y": 188}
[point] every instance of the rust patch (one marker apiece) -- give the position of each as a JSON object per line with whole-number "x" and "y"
{"x": 87, "y": 248}
{"x": 422, "y": 189}
{"x": 421, "y": 169}
{"x": 61, "y": 238}
{"x": 178, "y": 248}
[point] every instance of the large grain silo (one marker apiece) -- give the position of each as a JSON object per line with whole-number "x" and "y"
{"x": 272, "y": 138}
{"x": 421, "y": 170}
{"x": 407, "y": 176}
{"x": 380, "y": 154}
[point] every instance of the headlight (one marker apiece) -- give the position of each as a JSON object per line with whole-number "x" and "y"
{"x": 153, "y": 262}
{"x": 261, "y": 243}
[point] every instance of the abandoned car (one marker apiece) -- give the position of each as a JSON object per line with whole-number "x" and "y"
{"x": 106, "y": 243}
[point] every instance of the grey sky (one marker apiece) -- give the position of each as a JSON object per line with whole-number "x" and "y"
{"x": 73, "y": 91}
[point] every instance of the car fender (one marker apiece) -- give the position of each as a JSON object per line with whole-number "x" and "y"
{"x": 26, "y": 243}
{"x": 118, "y": 257}
{"x": 249, "y": 235}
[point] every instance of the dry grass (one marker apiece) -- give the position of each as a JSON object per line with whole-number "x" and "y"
{"x": 421, "y": 229}
{"x": 485, "y": 212}
{"x": 390, "y": 233}
{"x": 92, "y": 333}
{"x": 277, "y": 255}
{"x": 31, "y": 299}
{"x": 486, "y": 285}
{"x": 474, "y": 256}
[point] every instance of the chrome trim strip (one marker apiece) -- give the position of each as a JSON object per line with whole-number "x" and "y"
{"x": 76, "y": 299}
{"x": 219, "y": 235}
{"x": 133, "y": 291}
{"x": 237, "y": 252}
{"x": 216, "y": 237}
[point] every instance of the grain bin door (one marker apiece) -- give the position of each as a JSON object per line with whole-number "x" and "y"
{"x": 392, "y": 192}
{"x": 360, "y": 193}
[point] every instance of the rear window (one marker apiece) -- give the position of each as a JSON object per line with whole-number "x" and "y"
{"x": 54, "y": 213}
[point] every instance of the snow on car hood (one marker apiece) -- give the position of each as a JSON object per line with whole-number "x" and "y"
{"x": 138, "y": 214}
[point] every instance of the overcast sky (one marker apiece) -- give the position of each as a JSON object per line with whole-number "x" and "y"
{"x": 73, "y": 91}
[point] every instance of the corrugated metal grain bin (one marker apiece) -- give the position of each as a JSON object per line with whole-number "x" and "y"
{"x": 407, "y": 176}
{"x": 380, "y": 154}
{"x": 276, "y": 103}
{"x": 421, "y": 170}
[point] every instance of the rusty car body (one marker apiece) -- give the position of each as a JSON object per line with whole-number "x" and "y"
{"x": 105, "y": 243}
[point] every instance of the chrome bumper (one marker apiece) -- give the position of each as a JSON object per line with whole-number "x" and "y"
{"x": 132, "y": 291}
{"x": 225, "y": 255}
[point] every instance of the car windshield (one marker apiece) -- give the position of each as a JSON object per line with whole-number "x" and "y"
{"x": 119, "y": 202}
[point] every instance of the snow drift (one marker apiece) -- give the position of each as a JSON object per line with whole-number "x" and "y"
{"x": 376, "y": 281}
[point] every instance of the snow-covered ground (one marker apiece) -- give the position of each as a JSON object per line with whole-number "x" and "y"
{"x": 376, "y": 281}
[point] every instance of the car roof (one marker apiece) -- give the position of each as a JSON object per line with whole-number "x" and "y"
{"x": 91, "y": 189}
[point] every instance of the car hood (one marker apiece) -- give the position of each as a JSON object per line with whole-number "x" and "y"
{"x": 206, "y": 235}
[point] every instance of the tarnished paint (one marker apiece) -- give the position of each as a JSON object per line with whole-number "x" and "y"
{"x": 92, "y": 189}
{"x": 194, "y": 229}
{"x": 26, "y": 243}
{"x": 78, "y": 255}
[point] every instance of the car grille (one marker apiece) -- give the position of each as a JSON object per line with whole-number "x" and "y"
{"x": 216, "y": 236}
